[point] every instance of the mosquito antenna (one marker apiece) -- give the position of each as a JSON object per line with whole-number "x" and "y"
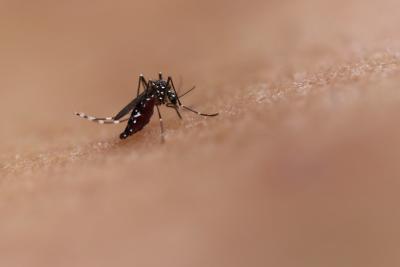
{"x": 187, "y": 92}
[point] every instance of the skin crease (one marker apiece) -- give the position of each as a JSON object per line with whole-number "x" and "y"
{"x": 299, "y": 169}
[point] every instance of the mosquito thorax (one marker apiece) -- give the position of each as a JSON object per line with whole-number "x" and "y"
{"x": 159, "y": 90}
{"x": 172, "y": 97}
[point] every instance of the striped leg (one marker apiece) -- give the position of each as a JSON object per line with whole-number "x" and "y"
{"x": 161, "y": 125}
{"x": 108, "y": 120}
{"x": 199, "y": 113}
{"x": 142, "y": 80}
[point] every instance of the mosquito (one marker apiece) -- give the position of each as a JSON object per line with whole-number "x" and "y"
{"x": 156, "y": 93}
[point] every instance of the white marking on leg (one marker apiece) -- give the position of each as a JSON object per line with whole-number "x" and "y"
{"x": 101, "y": 121}
{"x": 137, "y": 115}
{"x": 116, "y": 122}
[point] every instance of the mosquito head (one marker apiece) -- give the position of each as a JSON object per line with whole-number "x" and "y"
{"x": 173, "y": 98}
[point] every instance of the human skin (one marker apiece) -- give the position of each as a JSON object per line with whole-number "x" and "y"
{"x": 299, "y": 169}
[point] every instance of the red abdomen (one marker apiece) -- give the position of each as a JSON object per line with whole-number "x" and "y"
{"x": 140, "y": 116}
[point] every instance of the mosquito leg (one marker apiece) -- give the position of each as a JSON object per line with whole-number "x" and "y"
{"x": 199, "y": 113}
{"x": 107, "y": 120}
{"x": 176, "y": 109}
{"x": 134, "y": 102}
{"x": 178, "y": 113}
{"x": 161, "y": 125}
{"x": 142, "y": 80}
{"x": 160, "y": 76}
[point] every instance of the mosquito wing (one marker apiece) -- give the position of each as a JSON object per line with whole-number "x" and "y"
{"x": 129, "y": 107}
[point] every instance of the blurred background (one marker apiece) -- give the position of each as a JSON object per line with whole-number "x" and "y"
{"x": 299, "y": 169}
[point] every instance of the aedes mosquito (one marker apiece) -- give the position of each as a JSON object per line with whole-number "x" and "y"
{"x": 156, "y": 93}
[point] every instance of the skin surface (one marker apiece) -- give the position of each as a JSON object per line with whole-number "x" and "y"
{"x": 299, "y": 169}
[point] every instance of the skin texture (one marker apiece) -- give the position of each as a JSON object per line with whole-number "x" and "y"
{"x": 299, "y": 169}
